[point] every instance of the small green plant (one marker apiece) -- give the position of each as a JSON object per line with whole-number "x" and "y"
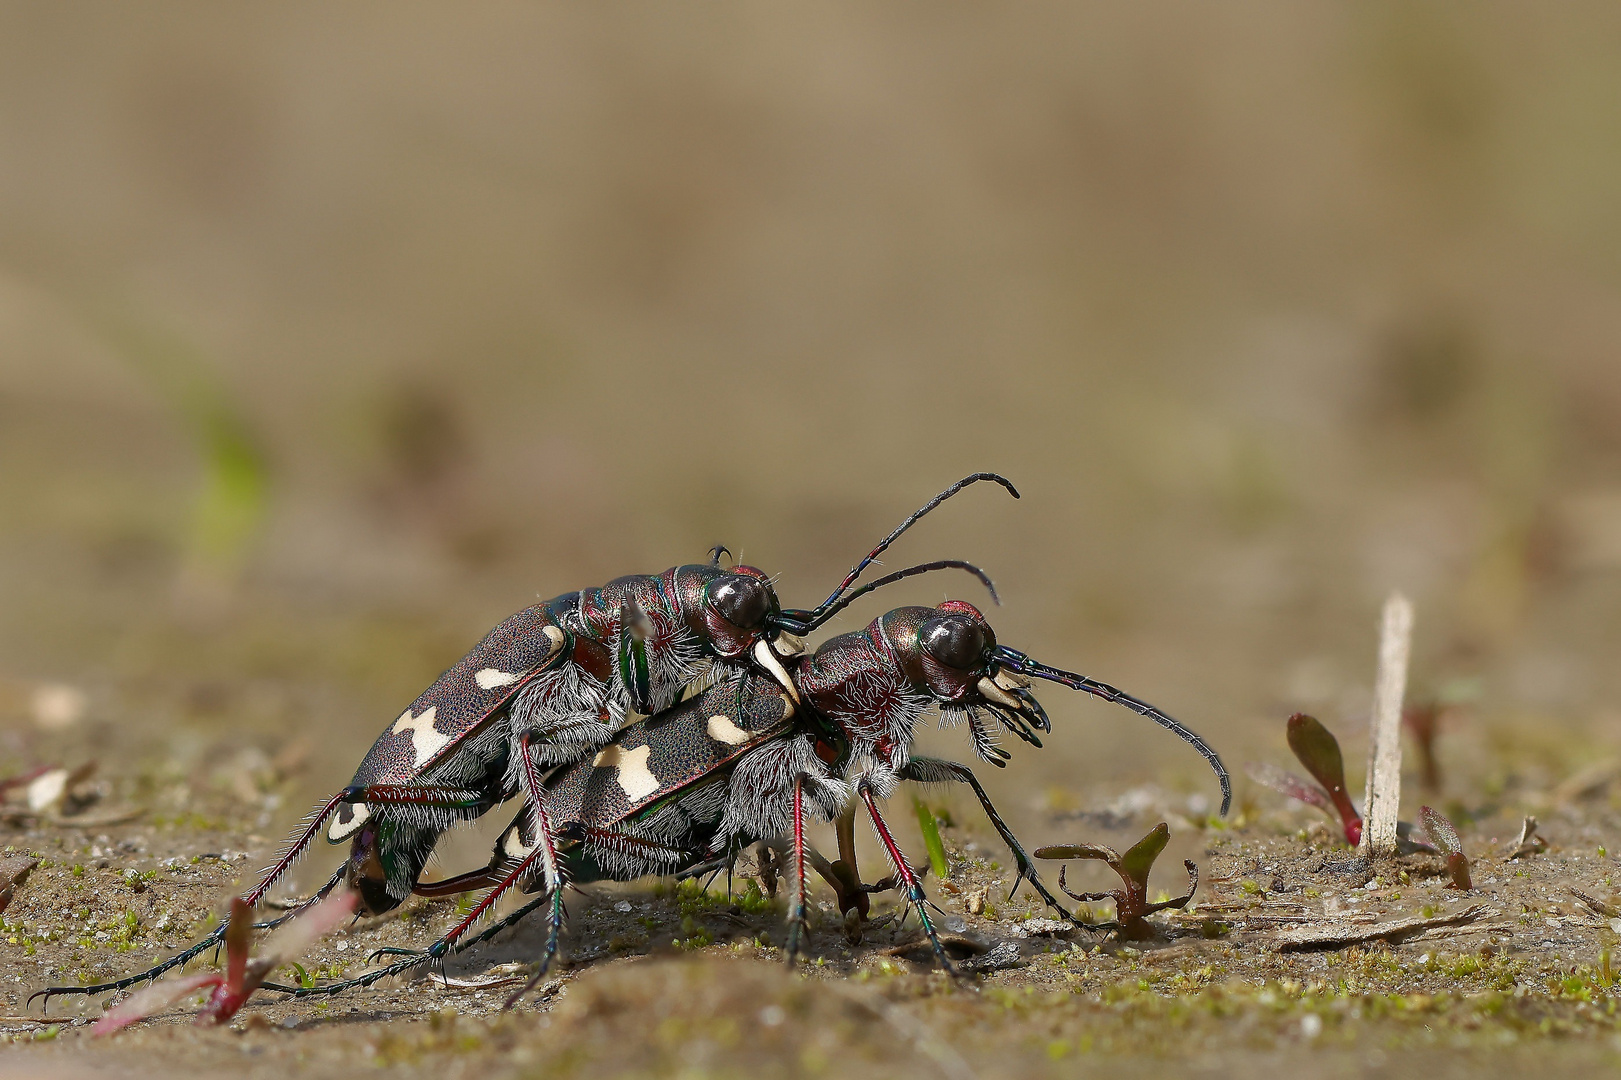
{"x": 1444, "y": 838}
{"x": 1317, "y": 749}
{"x": 1131, "y": 906}
{"x": 931, "y": 839}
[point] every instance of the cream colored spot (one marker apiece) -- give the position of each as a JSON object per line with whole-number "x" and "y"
{"x": 556, "y": 635}
{"x": 424, "y": 739}
{"x": 360, "y": 813}
{"x": 491, "y": 678}
{"x": 634, "y": 775}
{"x": 721, "y": 729}
{"x": 514, "y": 846}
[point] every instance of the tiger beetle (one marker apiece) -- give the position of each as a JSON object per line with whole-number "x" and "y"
{"x": 683, "y": 792}
{"x": 548, "y": 687}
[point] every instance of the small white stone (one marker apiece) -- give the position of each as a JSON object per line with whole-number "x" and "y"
{"x": 772, "y": 1016}
{"x": 1311, "y": 1026}
{"x": 623, "y": 907}
{"x": 343, "y": 946}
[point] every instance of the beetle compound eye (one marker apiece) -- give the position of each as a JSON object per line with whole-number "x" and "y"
{"x": 741, "y": 601}
{"x": 955, "y": 641}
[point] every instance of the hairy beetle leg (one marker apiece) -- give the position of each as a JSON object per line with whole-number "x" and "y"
{"x": 798, "y": 922}
{"x": 903, "y": 870}
{"x": 932, "y": 770}
{"x": 215, "y": 938}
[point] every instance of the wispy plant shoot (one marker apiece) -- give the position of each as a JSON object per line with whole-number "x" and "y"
{"x": 1317, "y": 749}
{"x": 1131, "y": 904}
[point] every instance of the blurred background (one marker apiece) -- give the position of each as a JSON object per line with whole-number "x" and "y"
{"x": 330, "y": 336}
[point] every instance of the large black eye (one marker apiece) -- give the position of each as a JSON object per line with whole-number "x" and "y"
{"x": 954, "y": 640}
{"x": 741, "y": 601}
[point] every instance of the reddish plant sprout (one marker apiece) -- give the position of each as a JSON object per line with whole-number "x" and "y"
{"x": 1423, "y": 722}
{"x": 24, "y": 779}
{"x": 1444, "y": 838}
{"x": 1317, "y": 749}
{"x": 242, "y": 975}
{"x": 1131, "y": 906}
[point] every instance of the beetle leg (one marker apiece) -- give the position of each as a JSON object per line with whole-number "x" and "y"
{"x": 545, "y": 845}
{"x": 485, "y": 878}
{"x": 503, "y": 873}
{"x": 373, "y": 795}
{"x": 934, "y": 770}
{"x": 798, "y": 923}
{"x": 181, "y": 958}
{"x": 904, "y": 874}
{"x": 852, "y": 896}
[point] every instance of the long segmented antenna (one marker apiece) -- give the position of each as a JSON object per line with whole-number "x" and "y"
{"x": 913, "y": 520}
{"x": 1024, "y": 665}
{"x": 809, "y": 620}
{"x": 799, "y": 621}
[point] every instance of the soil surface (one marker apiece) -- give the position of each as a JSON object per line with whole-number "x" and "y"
{"x": 664, "y": 979}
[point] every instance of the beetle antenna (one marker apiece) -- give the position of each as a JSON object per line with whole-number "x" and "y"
{"x": 800, "y": 621}
{"x": 913, "y": 520}
{"x": 1024, "y": 665}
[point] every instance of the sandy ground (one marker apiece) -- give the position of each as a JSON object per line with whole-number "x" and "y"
{"x": 664, "y": 980}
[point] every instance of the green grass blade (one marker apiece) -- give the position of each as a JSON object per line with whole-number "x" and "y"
{"x": 931, "y": 839}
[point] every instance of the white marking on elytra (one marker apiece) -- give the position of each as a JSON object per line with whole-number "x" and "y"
{"x": 341, "y": 830}
{"x": 514, "y": 846}
{"x": 491, "y": 678}
{"x": 721, "y": 729}
{"x": 425, "y": 740}
{"x": 634, "y": 775}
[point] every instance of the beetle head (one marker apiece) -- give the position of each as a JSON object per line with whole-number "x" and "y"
{"x": 949, "y": 653}
{"x": 738, "y": 608}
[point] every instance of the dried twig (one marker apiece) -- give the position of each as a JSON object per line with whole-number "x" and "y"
{"x": 1384, "y": 750}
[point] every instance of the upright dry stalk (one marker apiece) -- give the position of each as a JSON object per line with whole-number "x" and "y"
{"x": 1384, "y": 748}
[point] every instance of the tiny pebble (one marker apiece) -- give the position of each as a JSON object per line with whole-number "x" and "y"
{"x": 772, "y": 1015}
{"x": 1311, "y": 1025}
{"x": 623, "y": 907}
{"x": 343, "y": 946}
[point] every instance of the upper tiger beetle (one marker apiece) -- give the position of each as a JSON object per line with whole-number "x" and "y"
{"x": 538, "y": 710}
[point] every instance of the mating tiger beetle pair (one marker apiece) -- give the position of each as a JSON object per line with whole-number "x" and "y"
{"x": 661, "y": 725}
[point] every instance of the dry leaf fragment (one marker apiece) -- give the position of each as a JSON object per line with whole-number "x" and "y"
{"x": 1529, "y": 843}
{"x": 1339, "y": 934}
{"x": 1596, "y": 906}
{"x": 14, "y": 870}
